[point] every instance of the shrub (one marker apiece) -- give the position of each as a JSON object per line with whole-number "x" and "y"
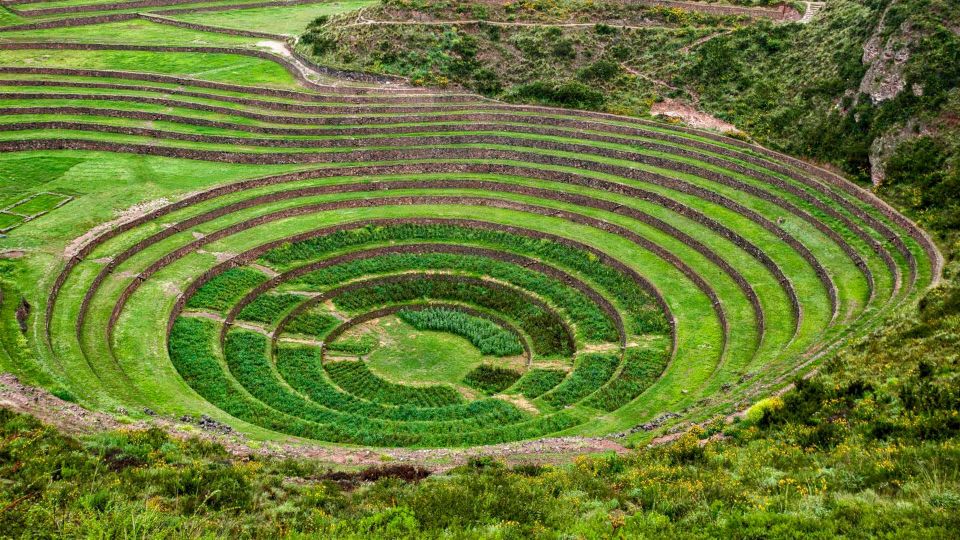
{"x": 491, "y": 379}
{"x": 572, "y": 94}
{"x": 223, "y": 291}
{"x": 589, "y": 374}
{"x": 641, "y": 367}
{"x": 539, "y": 381}
{"x": 762, "y": 408}
{"x": 599, "y": 71}
{"x": 484, "y": 334}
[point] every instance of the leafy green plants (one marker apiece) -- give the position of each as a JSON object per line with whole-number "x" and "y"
{"x": 539, "y": 381}
{"x": 641, "y": 367}
{"x": 355, "y": 378}
{"x": 491, "y": 379}
{"x": 221, "y": 292}
{"x": 483, "y": 333}
{"x": 590, "y": 373}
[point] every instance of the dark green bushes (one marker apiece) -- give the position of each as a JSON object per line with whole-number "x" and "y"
{"x": 355, "y": 378}
{"x": 590, "y": 373}
{"x": 574, "y": 94}
{"x": 539, "y": 381}
{"x": 223, "y": 291}
{"x": 484, "y": 334}
{"x": 491, "y": 379}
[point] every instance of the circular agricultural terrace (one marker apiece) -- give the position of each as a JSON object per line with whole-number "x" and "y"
{"x": 603, "y": 270}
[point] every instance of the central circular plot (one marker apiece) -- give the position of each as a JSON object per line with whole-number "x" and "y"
{"x": 430, "y": 346}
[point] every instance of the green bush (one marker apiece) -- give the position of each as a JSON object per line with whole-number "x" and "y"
{"x": 641, "y": 368}
{"x": 484, "y": 334}
{"x": 590, "y": 373}
{"x": 491, "y": 379}
{"x": 573, "y": 94}
{"x": 223, "y": 291}
{"x": 539, "y": 381}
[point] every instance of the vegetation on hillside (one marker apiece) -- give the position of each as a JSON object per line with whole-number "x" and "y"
{"x": 846, "y": 89}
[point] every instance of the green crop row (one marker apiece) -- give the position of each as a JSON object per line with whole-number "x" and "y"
{"x": 355, "y": 378}
{"x": 545, "y": 328}
{"x": 539, "y": 381}
{"x": 360, "y": 345}
{"x": 301, "y": 368}
{"x": 591, "y": 372}
{"x": 484, "y": 334}
{"x": 591, "y": 323}
{"x": 491, "y": 379}
{"x": 223, "y": 291}
{"x": 312, "y": 323}
{"x": 645, "y": 315}
{"x": 641, "y": 367}
{"x": 269, "y": 308}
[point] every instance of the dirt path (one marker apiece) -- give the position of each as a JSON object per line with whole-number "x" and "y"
{"x": 813, "y": 9}
{"x": 76, "y": 420}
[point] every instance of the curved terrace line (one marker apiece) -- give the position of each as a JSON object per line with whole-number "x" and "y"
{"x": 466, "y": 184}
{"x": 429, "y": 248}
{"x": 471, "y": 153}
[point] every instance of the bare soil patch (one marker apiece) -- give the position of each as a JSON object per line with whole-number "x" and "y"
{"x": 691, "y": 116}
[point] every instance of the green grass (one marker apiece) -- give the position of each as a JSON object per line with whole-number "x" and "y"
{"x": 484, "y": 334}
{"x": 9, "y": 220}
{"x": 42, "y": 202}
{"x": 136, "y": 31}
{"x": 290, "y": 20}
{"x": 407, "y": 355}
{"x": 212, "y": 67}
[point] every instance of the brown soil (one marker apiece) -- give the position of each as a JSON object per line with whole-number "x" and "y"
{"x": 691, "y": 116}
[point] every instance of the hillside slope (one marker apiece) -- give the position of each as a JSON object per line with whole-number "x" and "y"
{"x": 853, "y": 88}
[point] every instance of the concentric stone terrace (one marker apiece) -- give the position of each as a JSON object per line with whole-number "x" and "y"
{"x": 610, "y": 269}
